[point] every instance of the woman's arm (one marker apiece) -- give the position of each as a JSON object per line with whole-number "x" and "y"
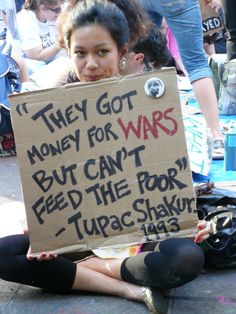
{"x": 43, "y": 54}
{"x": 24, "y": 74}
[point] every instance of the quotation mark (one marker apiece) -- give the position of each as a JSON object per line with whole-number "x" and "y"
{"x": 182, "y": 163}
{"x": 21, "y": 109}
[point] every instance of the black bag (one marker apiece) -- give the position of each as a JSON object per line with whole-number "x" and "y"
{"x": 219, "y": 207}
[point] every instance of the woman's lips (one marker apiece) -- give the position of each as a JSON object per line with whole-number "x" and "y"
{"x": 93, "y": 77}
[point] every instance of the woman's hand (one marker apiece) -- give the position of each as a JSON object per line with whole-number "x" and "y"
{"x": 204, "y": 230}
{"x": 42, "y": 256}
{"x": 215, "y": 4}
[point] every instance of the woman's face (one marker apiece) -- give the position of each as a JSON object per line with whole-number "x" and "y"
{"x": 94, "y": 53}
{"x": 51, "y": 13}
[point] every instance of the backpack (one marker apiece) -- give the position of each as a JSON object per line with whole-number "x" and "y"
{"x": 9, "y": 73}
{"x": 218, "y": 206}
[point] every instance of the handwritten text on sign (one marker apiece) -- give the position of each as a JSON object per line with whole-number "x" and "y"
{"x": 103, "y": 164}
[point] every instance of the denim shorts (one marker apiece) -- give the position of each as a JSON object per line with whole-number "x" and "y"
{"x": 184, "y": 20}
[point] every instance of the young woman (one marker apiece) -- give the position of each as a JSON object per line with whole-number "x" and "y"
{"x": 96, "y": 37}
{"x": 37, "y": 29}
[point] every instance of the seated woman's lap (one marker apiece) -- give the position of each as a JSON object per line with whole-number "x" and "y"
{"x": 168, "y": 264}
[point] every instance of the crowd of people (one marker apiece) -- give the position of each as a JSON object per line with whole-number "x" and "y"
{"x": 102, "y": 39}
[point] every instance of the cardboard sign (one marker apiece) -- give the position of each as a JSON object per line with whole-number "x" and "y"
{"x": 211, "y": 21}
{"x": 198, "y": 143}
{"x": 104, "y": 163}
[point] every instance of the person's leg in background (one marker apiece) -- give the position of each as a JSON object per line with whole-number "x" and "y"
{"x": 230, "y": 21}
{"x": 184, "y": 19}
{"x": 153, "y": 14}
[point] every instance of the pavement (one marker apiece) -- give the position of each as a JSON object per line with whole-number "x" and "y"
{"x": 211, "y": 292}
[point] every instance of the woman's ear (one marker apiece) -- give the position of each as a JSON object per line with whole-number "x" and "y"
{"x": 138, "y": 58}
{"x": 124, "y": 51}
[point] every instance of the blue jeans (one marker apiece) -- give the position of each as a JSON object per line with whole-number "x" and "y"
{"x": 184, "y": 20}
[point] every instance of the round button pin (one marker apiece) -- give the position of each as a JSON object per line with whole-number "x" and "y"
{"x": 154, "y": 88}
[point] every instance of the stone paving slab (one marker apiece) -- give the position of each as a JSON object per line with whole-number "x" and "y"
{"x": 19, "y": 299}
{"x": 212, "y": 292}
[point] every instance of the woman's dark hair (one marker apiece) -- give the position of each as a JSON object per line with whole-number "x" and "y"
{"x": 33, "y": 5}
{"x": 138, "y": 20}
{"x": 153, "y": 46}
{"x": 94, "y": 12}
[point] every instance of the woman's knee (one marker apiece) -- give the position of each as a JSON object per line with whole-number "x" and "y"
{"x": 14, "y": 244}
{"x": 11, "y": 247}
{"x": 189, "y": 260}
{"x": 184, "y": 256}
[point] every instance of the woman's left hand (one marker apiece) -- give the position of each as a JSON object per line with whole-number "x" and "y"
{"x": 204, "y": 229}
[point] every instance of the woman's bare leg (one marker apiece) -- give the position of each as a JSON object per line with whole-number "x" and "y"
{"x": 90, "y": 280}
{"x": 96, "y": 275}
{"x": 109, "y": 267}
{"x": 206, "y": 97}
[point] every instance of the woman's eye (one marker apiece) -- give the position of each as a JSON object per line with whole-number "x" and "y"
{"x": 102, "y": 52}
{"x": 80, "y": 54}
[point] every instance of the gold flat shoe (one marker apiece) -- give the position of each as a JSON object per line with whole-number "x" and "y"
{"x": 155, "y": 301}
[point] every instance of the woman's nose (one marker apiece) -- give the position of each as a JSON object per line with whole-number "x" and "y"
{"x": 91, "y": 62}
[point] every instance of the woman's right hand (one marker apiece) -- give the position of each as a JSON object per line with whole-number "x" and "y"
{"x": 44, "y": 256}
